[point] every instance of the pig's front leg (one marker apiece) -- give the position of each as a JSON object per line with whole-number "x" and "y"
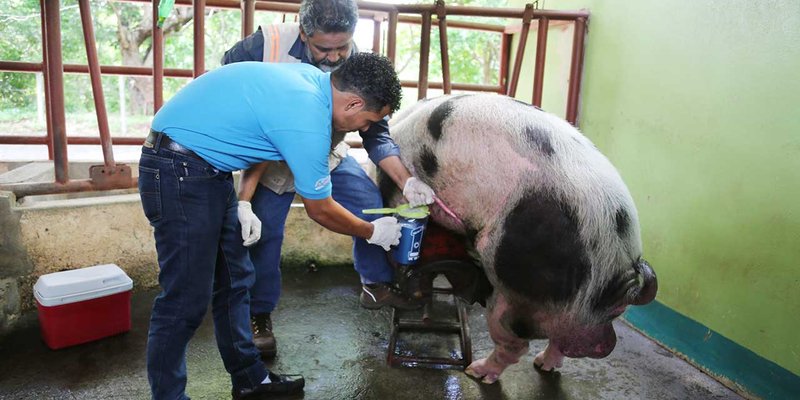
{"x": 508, "y": 347}
{"x": 488, "y": 369}
{"x": 549, "y": 359}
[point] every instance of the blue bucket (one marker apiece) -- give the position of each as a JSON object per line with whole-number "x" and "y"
{"x": 412, "y": 226}
{"x": 408, "y": 250}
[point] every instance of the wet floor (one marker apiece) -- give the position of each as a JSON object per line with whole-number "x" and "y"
{"x": 341, "y": 349}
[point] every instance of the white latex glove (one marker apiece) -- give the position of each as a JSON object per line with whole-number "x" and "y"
{"x": 386, "y": 233}
{"x": 417, "y": 192}
{"x": 251, "y": 225}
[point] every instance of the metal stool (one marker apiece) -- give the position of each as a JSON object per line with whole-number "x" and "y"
{"x": 419, "y": 282}
{"x": 442, "y": 253}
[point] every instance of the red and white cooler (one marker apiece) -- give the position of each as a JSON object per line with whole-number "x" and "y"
{"x": 83, "y": 305}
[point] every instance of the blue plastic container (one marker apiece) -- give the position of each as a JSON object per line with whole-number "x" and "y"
{"x": 412, "y": 226}
{"x": 408, "y": 250}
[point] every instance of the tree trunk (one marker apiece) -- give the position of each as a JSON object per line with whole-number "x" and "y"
{"x": 132, "y": 32}
{"x": 141, "y": 87}
{"x": 489, "y": 73}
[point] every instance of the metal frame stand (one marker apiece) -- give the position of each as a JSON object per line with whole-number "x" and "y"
{"x": 426, "y": 324}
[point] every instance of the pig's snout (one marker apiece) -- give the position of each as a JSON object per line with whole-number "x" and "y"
{"x": 594, "y": 342}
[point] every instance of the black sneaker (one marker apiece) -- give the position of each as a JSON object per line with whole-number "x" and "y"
{"x": 261, "y": 325}
{"x": 281, "y": 384}
{"x": 377, "y": 295}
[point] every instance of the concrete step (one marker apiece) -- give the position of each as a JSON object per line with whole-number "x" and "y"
{"x": 38, "y": 171}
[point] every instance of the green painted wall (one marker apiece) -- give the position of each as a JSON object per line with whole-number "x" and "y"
{"x": 697, "y": 103}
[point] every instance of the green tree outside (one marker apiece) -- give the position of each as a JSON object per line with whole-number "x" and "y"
{"x": 122, "y": 34}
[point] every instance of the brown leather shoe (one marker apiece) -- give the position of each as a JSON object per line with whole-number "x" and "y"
{"x": 377, "y": 295}
{"x": 261, "y": 324}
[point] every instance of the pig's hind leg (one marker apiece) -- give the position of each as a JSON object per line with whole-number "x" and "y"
{"x": 508, "y": 347}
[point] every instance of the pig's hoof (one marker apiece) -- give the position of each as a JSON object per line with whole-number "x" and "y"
{"x": 541, "y": 363}
{"x": 488, "y": 379}
{"x": 480, "y": 370}
{"x": 540, "y": 367}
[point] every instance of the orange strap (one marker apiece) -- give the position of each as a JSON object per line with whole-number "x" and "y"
{"x": 275, "y": 40}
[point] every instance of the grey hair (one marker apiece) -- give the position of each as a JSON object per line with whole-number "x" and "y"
{"x": 328, "y": 16}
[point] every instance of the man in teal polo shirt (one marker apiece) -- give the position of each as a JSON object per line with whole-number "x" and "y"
{"x": 227, "y": 120}
{"x": 322, "y": 37}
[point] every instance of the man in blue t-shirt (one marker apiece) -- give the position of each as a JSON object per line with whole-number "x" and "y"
{"x": 226, "y": 120}
{"x": 322, "y": 38}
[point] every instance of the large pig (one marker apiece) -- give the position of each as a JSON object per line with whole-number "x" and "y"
{"x": 554, "y": 226}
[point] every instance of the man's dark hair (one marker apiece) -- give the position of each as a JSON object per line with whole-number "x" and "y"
{"x": 328, "y": 16}
{"x": 372, "y": 77}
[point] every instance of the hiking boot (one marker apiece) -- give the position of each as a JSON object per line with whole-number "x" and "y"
{"x": 261, "y": 325}
{"x": 377, "y": 295}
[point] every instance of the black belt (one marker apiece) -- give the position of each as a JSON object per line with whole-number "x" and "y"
{"x": 167, "y": 143}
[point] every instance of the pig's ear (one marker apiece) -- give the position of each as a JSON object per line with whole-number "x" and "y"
{"x": 649, "y": 283}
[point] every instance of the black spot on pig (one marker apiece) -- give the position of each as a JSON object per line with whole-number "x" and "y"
{"x": 623, "y": 222}
{"x": 540, "y": 255}
{"x": 522, "y": 326}
{"x": 540, "y": 140}
{"x": 438, "y": 116}
{"x": 520, "y": 329}
{"x": 428, "y": 162}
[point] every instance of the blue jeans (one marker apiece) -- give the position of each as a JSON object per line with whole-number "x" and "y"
{"x": 355, "y": 191}
{"x": 193, "y": 209}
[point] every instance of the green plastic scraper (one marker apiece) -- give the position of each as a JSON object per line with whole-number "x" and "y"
{"x": 402, "y": 210}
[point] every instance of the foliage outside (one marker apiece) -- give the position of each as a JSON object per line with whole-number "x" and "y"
{"x": 122, "y": 34}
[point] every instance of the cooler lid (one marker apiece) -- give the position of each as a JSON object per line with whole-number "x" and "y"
{"x": 81, "y": 284}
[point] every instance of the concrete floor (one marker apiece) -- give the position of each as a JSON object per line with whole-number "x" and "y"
{"x": 341, "y": 349}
